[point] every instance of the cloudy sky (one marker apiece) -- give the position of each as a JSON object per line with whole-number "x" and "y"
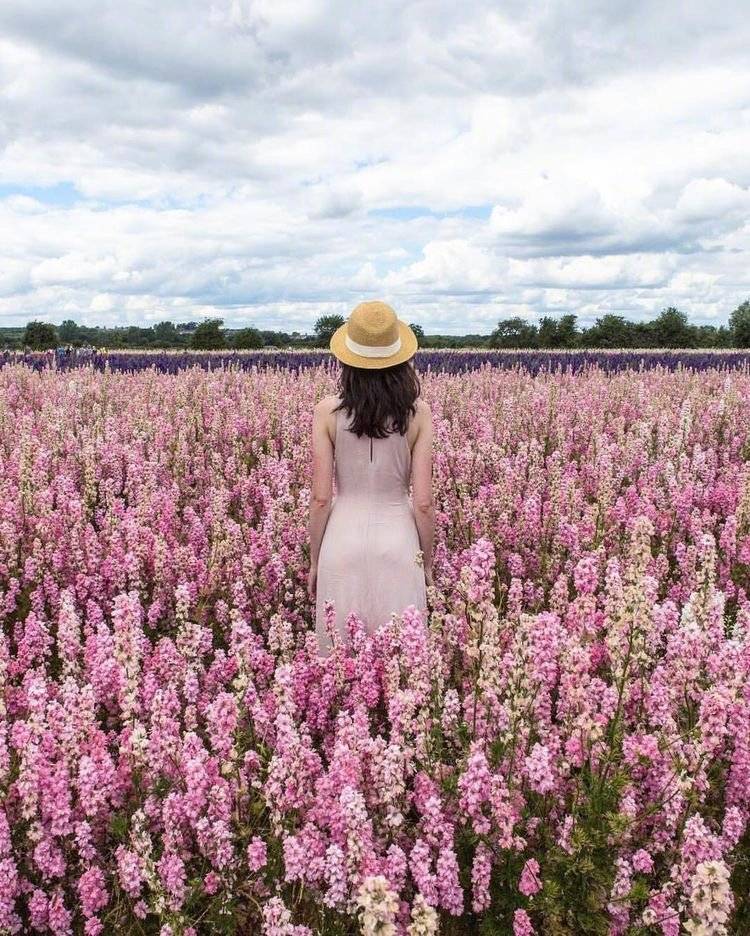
{"x": 268, "y": 161}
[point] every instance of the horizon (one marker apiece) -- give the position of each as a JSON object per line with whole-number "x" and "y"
{"x": 296, "y": 335}
{"x": 306, "y": 334}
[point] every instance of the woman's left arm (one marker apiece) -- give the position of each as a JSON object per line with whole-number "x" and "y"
{"x": 321, "y": 490}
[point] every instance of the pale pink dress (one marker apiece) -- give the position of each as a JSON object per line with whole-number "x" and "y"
{"x": 368, "y": 557}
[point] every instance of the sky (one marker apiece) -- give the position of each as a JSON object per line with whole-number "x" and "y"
{"x": 268, "y": 162}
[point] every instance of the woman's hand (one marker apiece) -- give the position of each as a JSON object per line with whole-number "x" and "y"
{"x": 428, "y": 575}
{"x": 312, "y": 583}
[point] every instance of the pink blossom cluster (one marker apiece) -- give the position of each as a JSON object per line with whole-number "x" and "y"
{"x": 563, "y": 743}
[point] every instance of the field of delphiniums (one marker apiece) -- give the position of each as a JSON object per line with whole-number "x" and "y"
{"x": 563, "y": 747}
{"x": 442, "y": 360}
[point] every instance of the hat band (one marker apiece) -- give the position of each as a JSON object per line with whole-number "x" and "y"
{"x": 372, "y": 350}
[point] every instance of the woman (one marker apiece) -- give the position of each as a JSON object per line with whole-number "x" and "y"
{"x": 371, "y": 546}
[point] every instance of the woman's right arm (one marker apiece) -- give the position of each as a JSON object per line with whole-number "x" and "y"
{"x": 421, "y": 479}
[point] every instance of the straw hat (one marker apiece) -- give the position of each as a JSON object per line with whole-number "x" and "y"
{"x": 373, "y": 337}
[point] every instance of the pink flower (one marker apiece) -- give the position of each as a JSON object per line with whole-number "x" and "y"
{"x": 172, "y": 872}
{"x": 92, "y": 891}
{"x": 256, "y": 854}
{"x": 539, "y": 769}
{"x": 586, "y": 575}
{"x": 522, "y": 924}
{"x": 643, "y": 862}
{"x": 530, "y": 883}
{"x": 474, "y": 787}
{"x": 481, "y": 871}
{"x": 129, "y": 871}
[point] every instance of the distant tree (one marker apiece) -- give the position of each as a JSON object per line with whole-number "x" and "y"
{"x": 558, "y": 333}
{"x": 724, "y": 337}
{"x": 166, "y": 335}
{"x": 136, "y": 337}
{"x": 68, "y": 331}
{"x": 567, "y": 331}
{"x": 547, "y": 332}
{"x": 40, "y": 336}
{"x": 325, "y": 327}
{"x": 419, "y": 332}
{"x": 609, "y": 331}
{"x": 208, "y": 336}
{"x": 672, "y": 330}
{"x": 739, "y": 323}
{"x": 274, "y": 339}
{"x": 514, "y": 333}
{"x": 247, "y": 338}
{"x": 709, "y": 336}
{"x": 115, "y": 338}
{"x": 643, "y": 335}
{"x": 11, "y": 337}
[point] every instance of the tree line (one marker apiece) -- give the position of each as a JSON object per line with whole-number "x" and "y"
{"x": 670, "y": 329}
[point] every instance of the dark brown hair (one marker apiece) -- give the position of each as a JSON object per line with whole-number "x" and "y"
{"x": 382, "y": 399}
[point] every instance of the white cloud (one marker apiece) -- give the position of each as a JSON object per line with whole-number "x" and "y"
{"x": 451, "y": 267}
{"x": 708, "y": 199}
{"x": 102, "y": 303}
{"x": 556, "y": 207}
{"x": 587, "y": 272}
{"x": 268, "y": 161}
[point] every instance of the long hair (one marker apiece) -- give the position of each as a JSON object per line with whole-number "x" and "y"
{"x": 382, "y": 400}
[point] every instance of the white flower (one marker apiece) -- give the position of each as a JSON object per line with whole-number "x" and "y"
{"x": 379, "y": 906}
{"x": 424, "y": 918}
{"x": 711, "y": 900}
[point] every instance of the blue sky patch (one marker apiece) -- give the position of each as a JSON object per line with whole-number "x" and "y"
{"x": 62, "y": 194}
{"x": 410, "y": 212}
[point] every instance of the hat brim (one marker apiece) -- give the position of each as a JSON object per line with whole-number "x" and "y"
{"x": 339, "y": 349}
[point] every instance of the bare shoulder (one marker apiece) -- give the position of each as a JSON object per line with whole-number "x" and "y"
{"x": 324, "y": 411}
{"x": 421, "y": 419}
{"x": 325, "y": 405}
{"x": 423, "y": 414}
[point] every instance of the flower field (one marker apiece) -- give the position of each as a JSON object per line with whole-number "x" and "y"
{"x": 444, "y": 361}
{"x": 562, "y": 748}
